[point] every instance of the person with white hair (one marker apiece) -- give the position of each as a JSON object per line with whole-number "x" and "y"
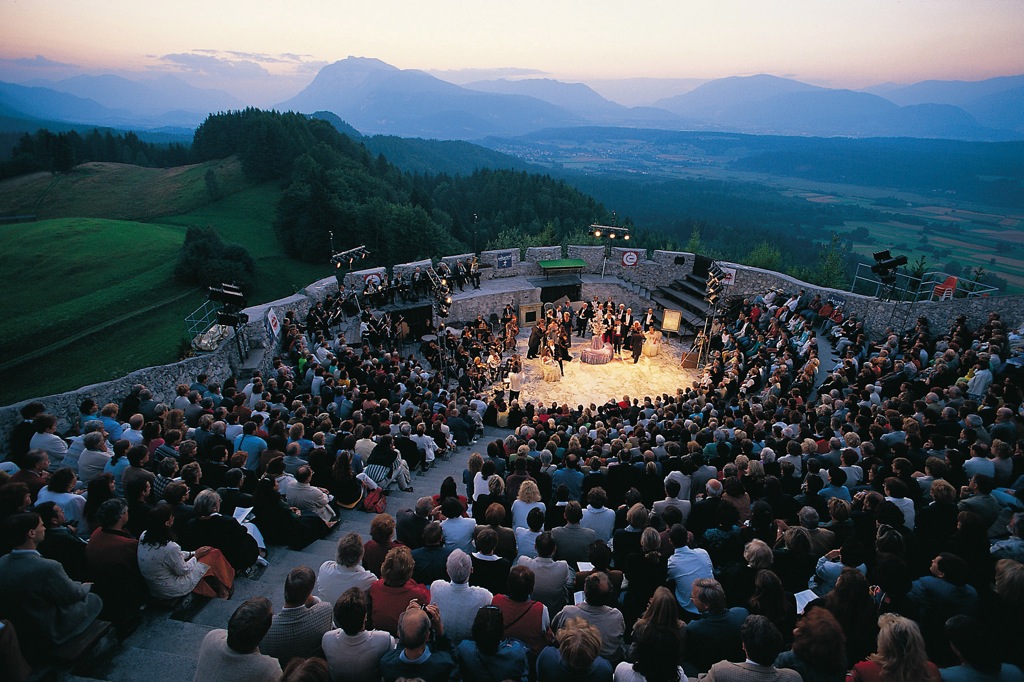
{"x": 456, "y": 599}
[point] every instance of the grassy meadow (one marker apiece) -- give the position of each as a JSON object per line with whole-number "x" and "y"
{"x": 104, "y": 248}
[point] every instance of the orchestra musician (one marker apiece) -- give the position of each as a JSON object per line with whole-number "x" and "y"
{"x": 461, "y": 275}
{"x": 474, "y": 272}
{"x": 418, "y": 283}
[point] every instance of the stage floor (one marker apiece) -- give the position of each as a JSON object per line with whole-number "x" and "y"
{"x": 585, "y": 384}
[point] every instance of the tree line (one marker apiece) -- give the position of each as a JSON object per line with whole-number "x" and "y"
{"x": 60, "y": 152}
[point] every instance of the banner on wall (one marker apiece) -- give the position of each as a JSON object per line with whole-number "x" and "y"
{"x": 273, "y": 324}
{"x": 630, "y": 258}
{"x": 728, "y": 276}
{"x": 504, "y": 261}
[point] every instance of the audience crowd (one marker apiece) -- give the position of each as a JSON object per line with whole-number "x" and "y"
{"x": 775, "y": 521}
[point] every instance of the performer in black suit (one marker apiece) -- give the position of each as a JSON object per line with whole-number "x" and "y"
{"x": 636, "y": 341}
{"x": 536, "y": 337}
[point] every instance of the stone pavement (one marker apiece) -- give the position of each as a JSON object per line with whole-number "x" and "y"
{"x": 165, "y": 647}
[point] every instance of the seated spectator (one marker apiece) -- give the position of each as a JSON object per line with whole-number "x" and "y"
{"x": 494, "y": 518}
{"x": 672, "y": 499}
{"x": 62, "y": 489}
{"x": 572, "y": 539}
{"x": 345, "y": 572}
{"x": 231, "y": 494}
{"x": 971, "y": 641}
{"x": 715, "y": 635}
{"x": 458, "y": 601}
{"x": 553, "y": 579}
{"x": 527, "y": 498}
{"x": 409, "y": 523}
{"x": 900, "y": 655}
{"x": 431, "y": 559}
{"x": 46, "y": 439}
{"x": 526, "y": 538}
{"x": 684, "y": 567}
{"x": 458, "y": 528}
{"x": 299, "y": 627}
{"x": 111, "y": 559}
{"x": 382, "y": 531}
{"x": 852, "y": 605}
{"x": 662, "y": 612}
{"x": 308, "y": 499}
{"x": 391, "y": 594}
{"x": 281, "y": 524}
{"x": 62, "y": 544}
{"x": 596, "y": 610}
{"x": 830, "y": 566}
{"x": 488, "y": 656}
{"x": 233, "y": 655}
{"x": 577, "y": 656}
{"x": 525, "y": 619}
{"x": 597, "y": 516}
{"x": 626, "y": 540}
{"x": 170, "y": 572}
{"x": 209, "y": 528}
{"x": 353, "y": 653}
{"x": 416, "y": 628}
{"x": 490, "y": 571}
{"x": 762, "y": 643}
{"x": 645, "y": 572}
{"x": 656, "y": 657}
{"x": 40, "y": 600}
{"x": 33, "y": 472}
{"x": 819, "y": 648}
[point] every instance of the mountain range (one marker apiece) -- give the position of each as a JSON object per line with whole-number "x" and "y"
{"x": 377, "y": 98}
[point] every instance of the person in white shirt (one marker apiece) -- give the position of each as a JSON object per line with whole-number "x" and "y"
{"x": 345, "y": 572}
{"x": 133, "y": 434}
{"x": 46, "y": 439}
{"x": 353, "y": 653}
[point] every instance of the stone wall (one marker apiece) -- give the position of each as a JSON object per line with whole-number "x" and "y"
{"x": 537, "y": 253}
{"x": 657, "y": 270}
{"x": 877, "y": 315}
{"x": 489, "y": 264}
{"x": 467, "y": 309}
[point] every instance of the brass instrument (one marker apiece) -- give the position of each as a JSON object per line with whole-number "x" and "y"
{"x": 474, "y": 266}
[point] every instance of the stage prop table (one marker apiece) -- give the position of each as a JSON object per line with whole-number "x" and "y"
{"x": 599, "y": 352}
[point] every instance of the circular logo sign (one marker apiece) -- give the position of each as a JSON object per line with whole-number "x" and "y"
{"x": 374, "y": 278}
{"x": 629, "y": 258}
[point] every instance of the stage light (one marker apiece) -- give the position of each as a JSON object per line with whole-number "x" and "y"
{"x": 881, "y": 255}
{"x": 611, "y": 235}
{"x": 597, "y": 233}
{"x": 626, "y": 237}
{"x": 227, "y": 294}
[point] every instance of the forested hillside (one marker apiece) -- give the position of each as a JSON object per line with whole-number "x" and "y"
{"x": 334, "y": 184}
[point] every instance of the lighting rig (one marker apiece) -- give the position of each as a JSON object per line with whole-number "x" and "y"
{"x": 231, "y": 315}
{"x": 349, "y": 257}
{"x": 713, "y": 297}
{"x": 611, "y": 233}
{"x": 885, "y": 266}
{"x": 441, "y": 291}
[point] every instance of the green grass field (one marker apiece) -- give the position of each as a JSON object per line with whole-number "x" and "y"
{"x": 106, "y": 247}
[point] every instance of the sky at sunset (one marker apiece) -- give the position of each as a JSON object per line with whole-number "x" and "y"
{"x": 265, "y": 51}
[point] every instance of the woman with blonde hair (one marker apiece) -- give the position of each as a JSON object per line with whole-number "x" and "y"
{"x": 527, "y": 499}
{"x": 577, "y": 656}
{"x": 901, "y": 655}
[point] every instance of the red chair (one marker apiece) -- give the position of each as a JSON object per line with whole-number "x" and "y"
{"x": 944, "y": 291}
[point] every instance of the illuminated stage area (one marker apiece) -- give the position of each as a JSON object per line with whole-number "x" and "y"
{"x": 585, "y": 384}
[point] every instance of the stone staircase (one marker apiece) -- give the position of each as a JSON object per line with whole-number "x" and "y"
{"x": 165, "y": 646}
{"x": 686, "y": 295}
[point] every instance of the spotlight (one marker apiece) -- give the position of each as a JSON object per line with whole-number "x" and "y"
{"x": 227, "y": 294}
{"x": 626, "y": 237}
{"x": 611, "y": 235}
{"x": 232, "y": 319}
{"x": 597, "y": 233}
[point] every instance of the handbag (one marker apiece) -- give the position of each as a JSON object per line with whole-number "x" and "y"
{"x": 375, "y": 502}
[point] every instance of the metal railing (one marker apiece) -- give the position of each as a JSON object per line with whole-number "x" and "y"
{"x": 931, "y": 286}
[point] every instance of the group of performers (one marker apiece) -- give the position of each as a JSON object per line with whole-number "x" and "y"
{"x": 474, "y": 356}
{"x": 551, "y": 337}
{"x": 410, "y": 287}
